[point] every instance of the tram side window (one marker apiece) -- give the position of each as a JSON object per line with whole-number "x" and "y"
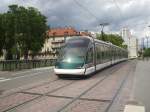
{"x": 118, "y": 53}
{"x": 107, "y": 52}
{"x": 90, "y": 56}
{"x": 111, "y": 52}
{"x": 102, "y": 53}
{"x": 115, "y": 54}
{"x": 98, "y": 54}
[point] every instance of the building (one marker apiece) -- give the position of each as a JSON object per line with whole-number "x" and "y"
{"x": 126, "y": 35}
{"x": 85, "y": 33}
{"x": 131, "y": 42}
{"x": 56, "y": 39}
{"x": 133, "y": 48}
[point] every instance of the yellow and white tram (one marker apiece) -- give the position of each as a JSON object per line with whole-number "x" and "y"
{"x": 83, "y": 55}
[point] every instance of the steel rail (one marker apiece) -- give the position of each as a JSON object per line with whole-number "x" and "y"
{"x": 95, "y": 84}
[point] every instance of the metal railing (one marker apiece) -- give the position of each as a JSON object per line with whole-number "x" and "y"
{"x": 10, "y": 65}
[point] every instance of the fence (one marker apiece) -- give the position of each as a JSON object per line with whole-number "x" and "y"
{"x": 11, "y": 65}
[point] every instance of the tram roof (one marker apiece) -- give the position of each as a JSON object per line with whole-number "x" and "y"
{"x": 99, "y": 41}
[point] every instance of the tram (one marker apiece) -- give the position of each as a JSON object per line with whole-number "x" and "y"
{"x": 84, "y": 55}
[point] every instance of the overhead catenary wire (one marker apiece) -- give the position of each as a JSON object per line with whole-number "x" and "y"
{"x": 121, "y": 13}
{"x": 86, "y": 9}
{"x": 118, "y": 7}
{"x": 93, "y": 15}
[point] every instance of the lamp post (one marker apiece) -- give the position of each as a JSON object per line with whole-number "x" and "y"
{"x": 147, "y": 40}
{"x": 102, "y": 28}
{"x": 148, "y": 37}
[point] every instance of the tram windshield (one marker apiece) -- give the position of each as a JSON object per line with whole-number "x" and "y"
{"x": 74, "y": 52}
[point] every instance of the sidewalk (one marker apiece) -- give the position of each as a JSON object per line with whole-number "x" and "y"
{"x": 141, "y": 87}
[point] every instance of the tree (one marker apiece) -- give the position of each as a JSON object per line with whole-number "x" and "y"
{"x": 1, "y": 35}
{"x": 9, "y": 40}
{"x": 24, "y": 31}
{"x": 113, "y": 38}
{"x": 147, "y": 52}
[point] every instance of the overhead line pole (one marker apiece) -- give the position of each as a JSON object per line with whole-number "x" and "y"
{"x": 102, "y": 28}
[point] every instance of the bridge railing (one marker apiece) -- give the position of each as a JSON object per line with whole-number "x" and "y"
{"x": 10, "y": 65}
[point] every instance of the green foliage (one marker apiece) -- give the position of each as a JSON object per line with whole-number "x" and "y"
{"x": 147, "y": 52}
{"x": 113, "y": 38}
{"x": 1, "y": 34}
{"x": 23, "y": 31}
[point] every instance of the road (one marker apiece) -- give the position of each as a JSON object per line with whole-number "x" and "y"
{"x": 141, "y": 88}
{"x": 12, "y": 80}
{"x": 40, "y": 90}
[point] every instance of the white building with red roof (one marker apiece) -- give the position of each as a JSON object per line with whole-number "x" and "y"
{"x": 56, "y": 39}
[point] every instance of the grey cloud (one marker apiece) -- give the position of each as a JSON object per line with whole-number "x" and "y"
{"x": 134, "y": 13}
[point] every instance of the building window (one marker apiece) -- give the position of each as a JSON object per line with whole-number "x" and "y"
{"x": 65, "y": 35}
{"x": 54, "y": 34}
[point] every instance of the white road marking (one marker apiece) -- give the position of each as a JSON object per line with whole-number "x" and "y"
{"x": 43, "y": 68}
{"x": 134, "y": 108}
{"x": 21, "y": 73}
{"x": 2, "y": 79}
{"x": 33, "y": 74}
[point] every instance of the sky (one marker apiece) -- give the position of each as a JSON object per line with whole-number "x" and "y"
{"x": 88, "y": 14}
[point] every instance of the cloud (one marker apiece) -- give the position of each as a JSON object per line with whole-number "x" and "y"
{"x": 88, "y": 14}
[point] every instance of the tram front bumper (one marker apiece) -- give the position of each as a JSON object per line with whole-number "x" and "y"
{"x": 70, "y": 71}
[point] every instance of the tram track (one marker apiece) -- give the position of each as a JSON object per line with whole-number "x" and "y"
{"x": 44, "y": 83}
{"x": 73, "y": 99}
{"x": 118, "y": 91}
{"x": 62, "y": 109}
{"x": 120, "y": 88}
{"x": 38, "y": 96}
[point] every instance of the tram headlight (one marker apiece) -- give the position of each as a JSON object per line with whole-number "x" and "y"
{"x": 69, "y": 60}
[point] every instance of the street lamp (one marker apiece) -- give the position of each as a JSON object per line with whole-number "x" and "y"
{"x": 147, "y": 37}
{"x": 102, "y": 28}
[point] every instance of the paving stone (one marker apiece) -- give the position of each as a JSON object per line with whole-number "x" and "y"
{"x": 96, "y": 100}
{"x": 44, "y": 104}
{"x": 76, "y": 88}
{"x": 49, "y": 87}
{"x": 107, "y": 89}
{"x": 86, "y": 106}
{"x": 14, "y": 100}
{"x": 28, "y": 86}
{"x": 126, "y": 93}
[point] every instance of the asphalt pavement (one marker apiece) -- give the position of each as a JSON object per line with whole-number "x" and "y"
{"x": 141, "y": 87}
{"x": 16, "y": 79}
